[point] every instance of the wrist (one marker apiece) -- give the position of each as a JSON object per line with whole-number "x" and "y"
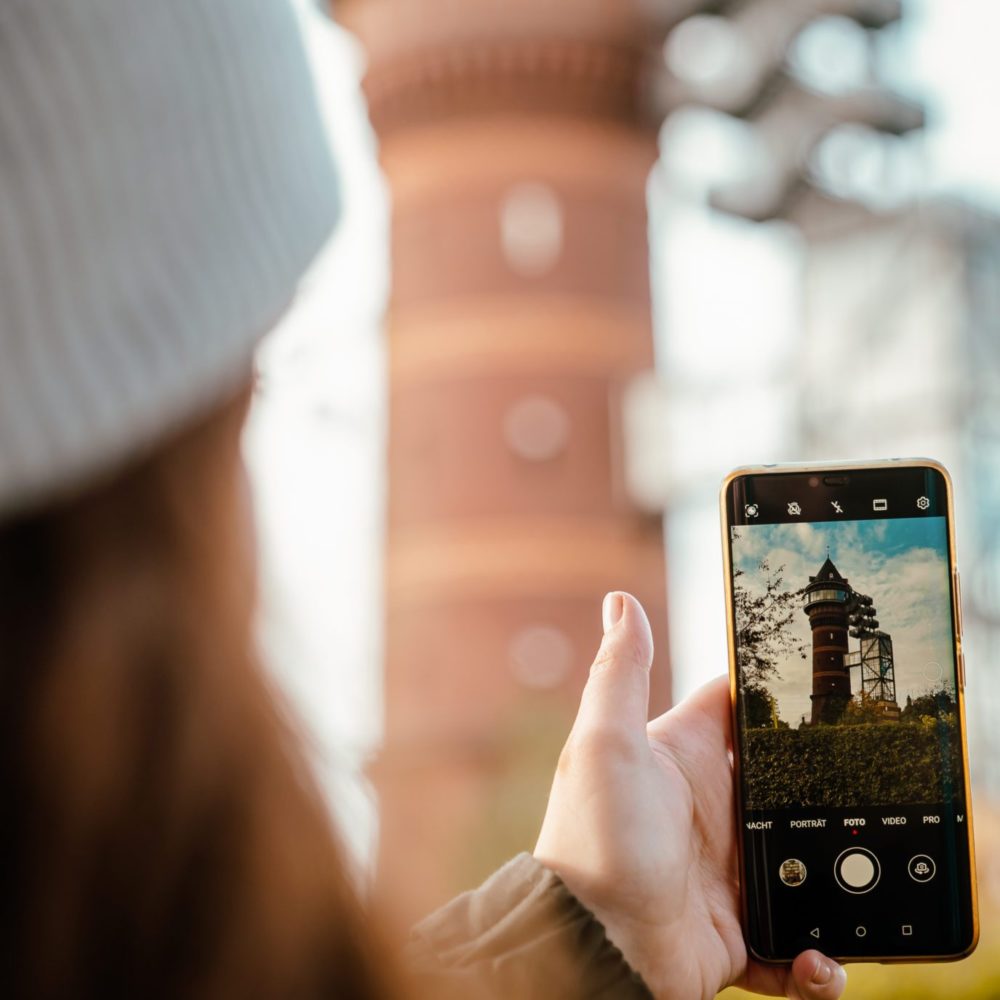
{"x": 600, "y": 936}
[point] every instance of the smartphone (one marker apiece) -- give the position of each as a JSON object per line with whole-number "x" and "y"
{"x": 845, "y": 648}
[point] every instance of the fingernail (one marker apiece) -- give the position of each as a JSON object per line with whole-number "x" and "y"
{"x": 822, "y": 974}
{"x": 611, "y": 610}
{"x": 825, "y": 972}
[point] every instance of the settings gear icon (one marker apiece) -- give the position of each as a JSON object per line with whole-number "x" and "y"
{"x": 923, "y": 503}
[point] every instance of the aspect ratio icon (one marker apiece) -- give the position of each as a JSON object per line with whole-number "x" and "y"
{"x": 751, "y": 510}
{"x": 794, "y": 509}
{"x": 881, "y": 504}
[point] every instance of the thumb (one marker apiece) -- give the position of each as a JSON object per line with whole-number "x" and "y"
{"x": 816, "y": 977}
{"x": 616, "y": 697}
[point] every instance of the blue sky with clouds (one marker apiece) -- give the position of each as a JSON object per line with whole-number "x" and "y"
{"x": 901, "y": 563}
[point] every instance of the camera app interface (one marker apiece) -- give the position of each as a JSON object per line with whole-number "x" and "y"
{"x": 855, "y": 836}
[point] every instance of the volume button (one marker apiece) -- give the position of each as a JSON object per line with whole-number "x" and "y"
{"x": 961, "y": 670}
{"x": 958, "y": 605}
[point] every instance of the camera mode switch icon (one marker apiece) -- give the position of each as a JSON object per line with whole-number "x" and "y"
{"x": 921, "y": 868}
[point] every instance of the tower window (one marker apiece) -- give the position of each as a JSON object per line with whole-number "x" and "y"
{"x": 531, "y": 229}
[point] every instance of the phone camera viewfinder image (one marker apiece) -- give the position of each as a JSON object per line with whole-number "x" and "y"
{"x": 851, "y": 761}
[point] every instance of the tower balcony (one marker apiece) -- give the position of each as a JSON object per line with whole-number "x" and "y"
{"x": 825, "y": 595}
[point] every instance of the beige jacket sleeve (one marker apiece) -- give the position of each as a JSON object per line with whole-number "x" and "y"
{"x": 522, "y": 935}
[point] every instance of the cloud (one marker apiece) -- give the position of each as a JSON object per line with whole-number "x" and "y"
{"x": 902, "y": 565}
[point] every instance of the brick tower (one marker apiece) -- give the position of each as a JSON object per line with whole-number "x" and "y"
{"x": 514, "y": 139}
{"x": 827, "y": 603}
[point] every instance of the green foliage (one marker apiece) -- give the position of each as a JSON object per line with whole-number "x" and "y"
{"x": 832, "y": 766}
{"x": 862, "y": 711}
{"x": 933, "y": 705}
{"x": 760, "y": 708}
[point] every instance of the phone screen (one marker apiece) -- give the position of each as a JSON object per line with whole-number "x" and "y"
{"x": 849, "y": 730}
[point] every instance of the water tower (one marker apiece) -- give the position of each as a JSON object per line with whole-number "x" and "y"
{"x": 828, "y": 600}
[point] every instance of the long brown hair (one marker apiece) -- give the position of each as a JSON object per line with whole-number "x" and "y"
{"x": 160, "y": 834}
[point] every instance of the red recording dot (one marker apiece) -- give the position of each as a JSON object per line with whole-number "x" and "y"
{"x": 854, "y": 833}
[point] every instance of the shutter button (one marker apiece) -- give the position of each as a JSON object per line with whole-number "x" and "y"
{"x": 857, "y": 870}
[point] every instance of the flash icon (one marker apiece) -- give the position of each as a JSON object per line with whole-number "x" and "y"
{"x": 836, "y": 506}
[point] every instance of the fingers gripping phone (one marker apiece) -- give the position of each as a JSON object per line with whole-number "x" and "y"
{"x": 845, "y": 643}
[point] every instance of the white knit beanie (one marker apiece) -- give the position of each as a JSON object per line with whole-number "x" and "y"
{"x": 164, "y": 182}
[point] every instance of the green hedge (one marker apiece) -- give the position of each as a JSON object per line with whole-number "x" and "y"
{"x": 890, "y": 763}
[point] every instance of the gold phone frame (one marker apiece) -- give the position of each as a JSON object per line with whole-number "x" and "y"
{"x": 956, "y": 611}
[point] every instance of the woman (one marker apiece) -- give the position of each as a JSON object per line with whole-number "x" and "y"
{"x": 163, "y": 185}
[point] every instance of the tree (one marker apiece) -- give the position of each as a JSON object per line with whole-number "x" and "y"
{"x": 938, "y": 704}
{"x": 762, "y": 641}
{"x": 862, "y": 710}
{"x": 762, "y": 620}
{"x": 760, "y": 708}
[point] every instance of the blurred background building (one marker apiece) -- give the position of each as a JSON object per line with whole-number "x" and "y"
{"x": 825, "y": 242}
{"x": 517, "y": 140}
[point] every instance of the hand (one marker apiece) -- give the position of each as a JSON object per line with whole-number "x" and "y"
{"x": 640, "y": 825}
